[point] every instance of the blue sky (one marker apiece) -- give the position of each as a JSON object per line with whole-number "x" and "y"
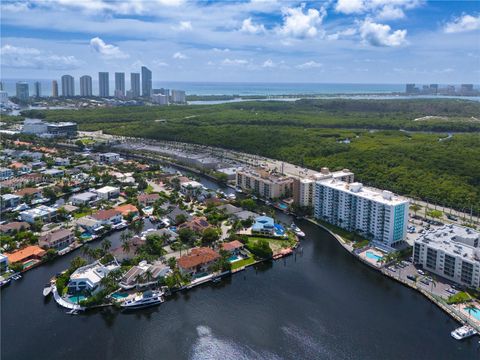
{"x": 345, "y": 41}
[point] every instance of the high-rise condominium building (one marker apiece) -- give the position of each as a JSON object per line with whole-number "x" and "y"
{"x": 177, "y": 96}
{"x": 22, "y": 91}
{"x": 37, "y": 89}
{"x": 54, "y": 88}
{"x": 135, "y": 84}
{"x": 103, "y": 83}
{"x": 68, "y": 86}
{"x": 86, "y": 86}
{"x": 264, "y": 183}
{"x": 119, "y": 84}
{"x": 378, "y": 215}
{"x": 146, "y": 82}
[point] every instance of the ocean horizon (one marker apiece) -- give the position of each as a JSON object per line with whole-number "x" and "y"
{"x": 235, "y": 88}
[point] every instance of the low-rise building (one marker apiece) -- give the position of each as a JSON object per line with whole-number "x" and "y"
{"x": 233, "y": 247}
{"x": 144, "y": 275}
{"x": 42, "y": 212}
{"x": 85, "y": 198}
{"x": 197, "y": 224}
{"x": 198, "y": 260}
{"x": 108, "y": 192}
{"x": 191, "y": 188}
{"x": 56, "y": 239}
{"x": 127, "y": 209}
{"x": 20, "y": 168}
{"x": 62, "y": 161}
{"x": 90, "y": 225}
{"x": 108, "y": 217}
{"x": 5, "y": 173}
{"x": 33, "y": 253}
{"x": 9, "y": 201}
{"x": 264, "y": 225}
{"x": 3, "y": 263}
{"x": 107, "y": 158}
{"x": 452, "y": 252}
{"x": 14, "y": 226}
{"x": 88, "y": 278}
{"x": 147, "y": 199}
{"x": 53, "y": 172}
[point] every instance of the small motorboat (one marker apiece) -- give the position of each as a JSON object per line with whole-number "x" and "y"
{"x": 463, "y": 332}
{"x": 297, "y": 230}
{"x": 47, "y": 289}
{"x": 216, "y": 280}
{"x": 5, "y": 282}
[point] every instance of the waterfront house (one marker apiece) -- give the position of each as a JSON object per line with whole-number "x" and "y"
{"x": 144, "y": 275}
{"x": 57, "y": 173}
{"x": 62, "y": 161}
{"x": 28, "y": 255}
{"x": 172, "y": 215}
{"x": 20, "y": 168}
{"x": 197, "y": 224}
{"x": 233, "y": 247}
{"x": 15, "y": 226}
{"x": 127, "y": 209}
{"x": 107, "y": 158}
{"x": 198, "y": 261}
{"x": 191, "y": 188}
{"x": 264, "y": 225}
{"x": 29, "y": 193}
{"x": 89, "y": 224}
{"x": 108, "y": 192}
{"x": 56, "y": 239}
{"x": 147, "y": 199}
{"x": 108, "y": 217}
{"x": 9, "y": 201}
{"x": 88, "y": 278}
{"x": 85, "y": 198}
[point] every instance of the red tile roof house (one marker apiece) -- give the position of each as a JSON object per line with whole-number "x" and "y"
{"x": 233, "y": 247}
{"x": 14, "y": 226}
{"x": 108, "y": 217}
{"x": 33, "y": 193}
{"x": 126, "y": 209}
{"x": 147, "y": 199}
{"x": 198, "y": 260}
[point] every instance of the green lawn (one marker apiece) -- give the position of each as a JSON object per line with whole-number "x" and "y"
{"x": 275, "y": 244}
{"x": 244, "y": 262}
{"x": 82, "y": 214}
{"x": 458, "y": 298}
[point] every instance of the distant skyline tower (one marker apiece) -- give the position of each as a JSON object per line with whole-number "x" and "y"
{"x": 146, "y": 82}
{"x": 54, "y": 88}
{"x": 135, "y": 84}
{"x": 86, "y": 86}
{"x": 68, "y": 86}
{"x": 22, "y": 91}
{"x": 1, "y": 85}
{"x": 103, "y": 84}
{"x": 119, "y": 84}
{"x": 37, "y": 89}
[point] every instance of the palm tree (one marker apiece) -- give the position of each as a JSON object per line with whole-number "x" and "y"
{"x": 415, "y": 207}
{"x": 148, "y": 276}
{"x": 433, "y": 283}
{"x": 106, "y": 245}
{"x": 126, "y": 246}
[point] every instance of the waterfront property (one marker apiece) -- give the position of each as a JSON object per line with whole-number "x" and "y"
{"x": 144, "y": 275}
{"x": 29, "y": 255}
{"x": 42, "y": 212}
{"x": 452, "y": 252}
{"x": 108, "y": 192}
{"x": 108, "y": 217}
{"x": 56, "y": 239}
{"x": 266, "y": 184}
{"x": 85, "y": 198}
{"x": 88, "y": 278}
{"x": 372, "y": 256}
{"x": 198, "y": 261}
{"x": 378, "y": 215}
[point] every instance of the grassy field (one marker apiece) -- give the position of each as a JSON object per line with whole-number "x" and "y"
{"x": 244, "y": 262}
{"x": 275, "y": 244}
{"x": 368, "y": 137}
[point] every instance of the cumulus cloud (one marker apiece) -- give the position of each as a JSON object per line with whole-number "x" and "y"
{"x": 108, "y": 51}
{"x": 221, "y": 50}
{"x": 250, "y": 28}
{"x": 228, "y": 61}
{"x": 180, "y": 56}
{"x": 309, "y": 65}
{"x": 300, "y": 24}
{"x": 380, "y": 9}
{"x": 31, "y": 58}
{"x": 462, "y": 24}
{"x": 342, "y": 34}
{"x": 269, "y": 64}
{"x": 382, "y": 35}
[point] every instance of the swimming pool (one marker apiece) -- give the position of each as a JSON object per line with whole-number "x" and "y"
{"x": 282, "y": 206}
{"x": 29, "y": 263}
{"x": 119, "y": 295}
{"x": 371, "y": 255}
{"x": 475, "y": 312}
{"x": 234, "y": 258}
{"x": 76, "y": 299}
{"x": 279, "y": 230}
{"x": 85, "y": 236}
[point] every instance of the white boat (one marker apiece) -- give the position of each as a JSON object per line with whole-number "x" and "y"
{"x": 463, "y": 332}
{"x": 146, "y": 299}
{"x": 47, "y": 289}
{"x": 297, "y": 230}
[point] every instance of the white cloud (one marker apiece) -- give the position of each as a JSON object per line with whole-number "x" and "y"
{"x": 180, "y": 56}
{"x": 221, "y": 50}
{"x": 159, "y": 63}
{"x": 389, "y": 12}
{"x": 108, "y": 51}
{"x": 183, "y": 26}
{"x": 228, "y": 61}
{"x": 298, "y": 24}
{"x": 31, "y": 58}
{"x": 269, "y": 64}
{"x": 309, "y": 65}
{"x": 350, "y": 6}
{"x": 382, "y": 35}
{"x": 342, "y": 34}
{"x": 462, "y": 24}
{"x": 250, "y": 28}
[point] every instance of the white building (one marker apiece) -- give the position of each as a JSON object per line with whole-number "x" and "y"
{"x": 34, "y": 126}
{"x": 3, "y": 97}
{"x": 159, "y": 99}
{"x": 107, "y": 158}
{"x": 108, "y": 192}
{"x": 5, "y": 173}
{"x": 42, "y": 212}
{"x": 178, "y": 97}
{"x": 83, "y": 198}
{"x": 378, "y": 215}
{"x": 452, "y": 252}
{"x": 191, "y": 188}
{"x": 89, "y": 277}
{"x": 3, "y": 263}
{"x": 265, "y": 184}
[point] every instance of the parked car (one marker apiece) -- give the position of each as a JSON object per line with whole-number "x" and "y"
{"x": 411, "y": 277}
{"x": 421, "y": 272}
